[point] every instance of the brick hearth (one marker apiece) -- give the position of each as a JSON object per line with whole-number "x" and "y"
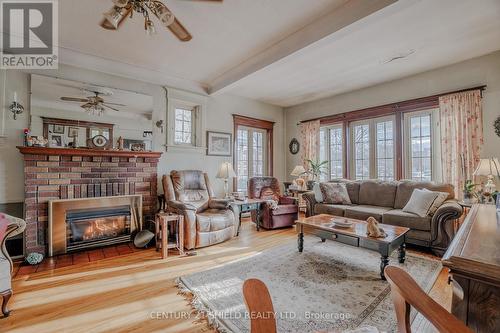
{"x": 52, "y": 173}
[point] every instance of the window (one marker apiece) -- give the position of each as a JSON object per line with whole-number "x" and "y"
{"x": 250, "y": 155}
{"x": 253, "y": 150}
{"x": 361, "y": 151}
{"x": 184, "y": 126}
{"x": 332, "y": 150}
{"x": 373, "y": 153}
{"x": 385, "y": 150}
{"x": 421, "y": 144}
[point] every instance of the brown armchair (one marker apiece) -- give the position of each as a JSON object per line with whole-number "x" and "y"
{"x": 287, "y": 211}
{"x": 207, "y": 220}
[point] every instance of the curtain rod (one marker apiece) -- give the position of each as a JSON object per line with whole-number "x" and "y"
{"x": 481, "y": 88}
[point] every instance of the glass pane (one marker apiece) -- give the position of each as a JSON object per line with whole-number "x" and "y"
{"x": 415, "y": 126}
{"x": 426, "y": 147}
{"x": 425, "y": 123}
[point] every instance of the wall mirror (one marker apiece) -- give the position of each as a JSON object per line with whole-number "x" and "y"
{"x": 73, "y": 114}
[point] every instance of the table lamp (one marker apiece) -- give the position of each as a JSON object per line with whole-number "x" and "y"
{"x": 488, "y": 167}
{"x": 225, "y": 172}
{"x": 298, "y": 171}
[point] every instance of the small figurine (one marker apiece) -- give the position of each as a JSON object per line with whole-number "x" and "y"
{"x": 119, "y": 143}
{"x": 373, "y": 229}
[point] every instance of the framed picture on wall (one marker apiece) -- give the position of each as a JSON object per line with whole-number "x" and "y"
{"x": 73, "y": 132}
{"x": 56, "y": 141}
{"x": 58, "y": 129}
{"x": 219, "y": 144}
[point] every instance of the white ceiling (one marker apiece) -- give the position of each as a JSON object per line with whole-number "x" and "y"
{"x": 284, "y": 52}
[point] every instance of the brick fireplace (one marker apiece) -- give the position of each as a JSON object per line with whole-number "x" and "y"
{"x": 59, "y": 173}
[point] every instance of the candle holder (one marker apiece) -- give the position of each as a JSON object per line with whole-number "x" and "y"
{"x": 16, "y": 108}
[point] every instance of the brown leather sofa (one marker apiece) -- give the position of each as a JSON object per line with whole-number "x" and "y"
{"x": 284, "y": 215}
{"x": 385, "y": 200}
{"x": 207, "y": 220}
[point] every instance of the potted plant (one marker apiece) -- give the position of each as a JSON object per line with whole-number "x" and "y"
{"x": 469, "y": 193}
{"x": 316, "y": 169}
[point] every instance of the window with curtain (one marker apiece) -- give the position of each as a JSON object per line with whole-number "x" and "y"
{"x": 332, "y": 150}
{"x": 250, "y": 155}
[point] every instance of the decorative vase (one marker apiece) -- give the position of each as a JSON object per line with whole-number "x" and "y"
{"x": 310, "y": 184}
{"x": 34, "y": 258}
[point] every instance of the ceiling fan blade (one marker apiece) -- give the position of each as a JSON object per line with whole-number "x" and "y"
{"x": 75, "y": 99}
{"x": 204, "y": 0}
{"x": 179, "y": 31}
{"x": 117, "y": 104}
{"x": 104, "y": 104}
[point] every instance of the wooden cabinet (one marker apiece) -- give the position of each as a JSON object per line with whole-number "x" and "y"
{"x": 474, "y": 262}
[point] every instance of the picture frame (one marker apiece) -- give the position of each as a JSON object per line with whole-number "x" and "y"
{"x": 219, "y": 144}
{"x": 56, "y": 141}
{"x": 58, "y": 129}
{"x": 73, "y": 132}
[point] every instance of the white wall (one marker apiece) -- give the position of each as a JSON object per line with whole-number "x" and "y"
{"x": 218, "y": 118}
{"x": 470, "y": 73}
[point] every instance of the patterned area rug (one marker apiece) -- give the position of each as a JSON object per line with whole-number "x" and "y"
{"x": 329, "y": 287}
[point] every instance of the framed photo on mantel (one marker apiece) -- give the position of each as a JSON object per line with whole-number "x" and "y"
{"x": 219, "y": 144}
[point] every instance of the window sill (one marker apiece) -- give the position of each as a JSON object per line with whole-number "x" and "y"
{"x": 185, "y": 149}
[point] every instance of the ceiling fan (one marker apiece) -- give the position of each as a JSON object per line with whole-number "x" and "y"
{"x": 93, "y": 105}
{"x": 126, "y": 8}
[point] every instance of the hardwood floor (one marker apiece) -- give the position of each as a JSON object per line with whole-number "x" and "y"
{"x": 129, "y": 291}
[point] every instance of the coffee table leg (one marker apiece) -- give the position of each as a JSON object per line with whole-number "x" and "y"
{"x": 323, "y": 240}
{"x": 384, "y": 261}
{"x": 402, "y": 253}
{"x": 301, "y": 241}
{"x": 239, "y": 226}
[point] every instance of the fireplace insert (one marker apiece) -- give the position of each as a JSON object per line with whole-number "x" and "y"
{"x": 87, "y": 228}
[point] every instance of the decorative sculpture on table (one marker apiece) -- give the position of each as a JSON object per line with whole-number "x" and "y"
{"x": 373, "y": 229}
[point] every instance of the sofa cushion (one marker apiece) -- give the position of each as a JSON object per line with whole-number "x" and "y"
{"x": 362, "y": 212}
{"x": 377, "y": 193}
{"x": 214, "y": 219}
{"x": 406, "y": 187}
{"x": 409, "y": 220}
{"x": 337, "y": 210}
{"x": 420, "y": 202}
{"x": 335, "y": 193}
{"x": 352, "y": 188}
{"x": 285, "y": 209}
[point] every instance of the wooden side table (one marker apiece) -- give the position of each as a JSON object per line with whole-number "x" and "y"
{"x": 163, "y": 222}
{"x": 247, "y": 206}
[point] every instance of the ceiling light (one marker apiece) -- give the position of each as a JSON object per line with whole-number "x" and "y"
{"x": 115, "y": 16}
{"x": 150, "y": 27}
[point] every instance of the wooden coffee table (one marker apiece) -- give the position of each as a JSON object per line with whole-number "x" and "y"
{"x": 321, "y": 226}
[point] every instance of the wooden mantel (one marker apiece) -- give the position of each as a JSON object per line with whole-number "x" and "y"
{"x": 87, "y": 152}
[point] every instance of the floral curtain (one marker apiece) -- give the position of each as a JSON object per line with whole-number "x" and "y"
{"x": 461, "y": 122}
{"x": 309, "y": 140}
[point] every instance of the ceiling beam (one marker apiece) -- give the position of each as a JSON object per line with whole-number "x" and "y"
{"x": 350, "y": 12}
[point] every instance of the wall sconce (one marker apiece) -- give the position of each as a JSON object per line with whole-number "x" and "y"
{"x": 159, "y": 124}
{"x": 16, "y": 108}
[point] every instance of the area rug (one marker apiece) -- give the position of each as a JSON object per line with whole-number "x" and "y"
{"x": 330, "y": 287}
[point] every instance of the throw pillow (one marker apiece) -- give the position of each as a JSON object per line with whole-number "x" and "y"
{"x": 267, "y": 193}
{"x": 318, "y": 196}
{"x": 420, "y": 202}
{"x": 440, "y": 199}
{"x": 335, "y": 193}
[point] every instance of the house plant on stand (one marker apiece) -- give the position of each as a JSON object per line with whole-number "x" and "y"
{"x": 316, "y": 169}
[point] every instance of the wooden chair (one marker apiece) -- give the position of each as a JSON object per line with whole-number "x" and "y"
{"x": 406, "y": 292}
{"x": 259, "y": 306}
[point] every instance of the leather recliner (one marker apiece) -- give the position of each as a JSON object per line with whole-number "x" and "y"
{"x": 284, "y": 214}
{"x": 207, "y": 220}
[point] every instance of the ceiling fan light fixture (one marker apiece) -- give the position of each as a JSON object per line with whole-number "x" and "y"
{"x": 115, "y": 16}
{"x": 149, "y": 27}
{"x": 165, "y": 16}
{"x": 94, "y": 109}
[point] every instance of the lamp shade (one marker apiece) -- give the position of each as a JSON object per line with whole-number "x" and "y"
{"x": 225, "y": 171}
{"x": 298, "y": 171}
{"x": 488, "y": 166}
